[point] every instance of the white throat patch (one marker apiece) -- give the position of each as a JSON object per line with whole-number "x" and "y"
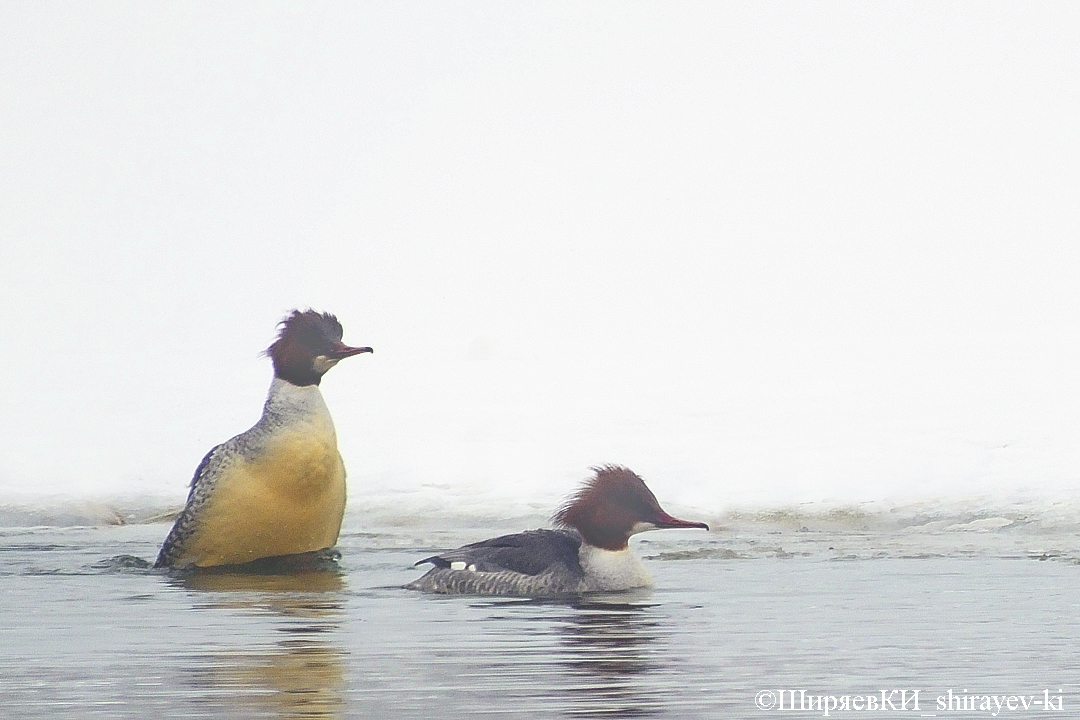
{"x": 640, "y": 527}
{"x": 322, "y": 363}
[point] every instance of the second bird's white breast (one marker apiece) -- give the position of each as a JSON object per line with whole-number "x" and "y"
{"x": 612, "y": 569}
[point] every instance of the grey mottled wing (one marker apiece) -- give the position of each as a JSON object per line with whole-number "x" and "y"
{"x": 538, "y": 563}
{"x": 201, "y": 483}
{"x": 529, "y": 553}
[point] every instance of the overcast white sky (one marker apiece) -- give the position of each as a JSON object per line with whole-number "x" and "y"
{"x": 757, "y": 251}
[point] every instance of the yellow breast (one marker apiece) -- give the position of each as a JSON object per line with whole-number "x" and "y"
{"x": 288, "y": 500}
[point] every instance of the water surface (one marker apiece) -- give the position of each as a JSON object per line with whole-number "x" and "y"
{"x": 736, "y": 612}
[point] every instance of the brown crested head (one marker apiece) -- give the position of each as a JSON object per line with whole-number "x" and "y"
{"x": 309, "y": 344}
{"x": 614, "y": 504}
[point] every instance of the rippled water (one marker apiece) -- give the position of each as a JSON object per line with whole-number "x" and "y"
{"x": 734, "y": 613}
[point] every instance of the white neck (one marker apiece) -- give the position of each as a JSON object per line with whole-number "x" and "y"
{"x": 287, "y": 404}
{"x": 612, "y": 569}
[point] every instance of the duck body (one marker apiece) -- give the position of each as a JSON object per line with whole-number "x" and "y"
{"x": 527, "y": 563}
{"x": 535, "y": 563}
{"x": 277, "y": 489}
{"x": 590, "y": 553}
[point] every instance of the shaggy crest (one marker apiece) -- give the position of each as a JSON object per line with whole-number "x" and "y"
{"x": 605, "y": 509}
{"x": 305, "y": 336}
{"x": 309, "y": 327}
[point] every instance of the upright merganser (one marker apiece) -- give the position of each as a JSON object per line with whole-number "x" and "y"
{"x": 589, "y": 553}
{"x": 279, "y": 488}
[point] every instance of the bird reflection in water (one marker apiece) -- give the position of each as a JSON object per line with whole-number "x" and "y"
{"x": 279, "y": 657}
{"x": 609, "y": 650}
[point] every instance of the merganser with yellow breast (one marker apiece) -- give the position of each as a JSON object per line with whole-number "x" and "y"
{"x": 279, "y": 488}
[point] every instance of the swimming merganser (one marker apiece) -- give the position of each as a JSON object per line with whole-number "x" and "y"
{"x": 589, "y": 553}
{"x": 279, "y": 488}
